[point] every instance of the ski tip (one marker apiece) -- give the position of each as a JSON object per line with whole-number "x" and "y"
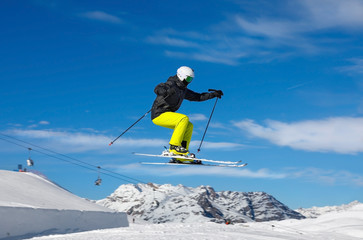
{"x": 110, "y": 144}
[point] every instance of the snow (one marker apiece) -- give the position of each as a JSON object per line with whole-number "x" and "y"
{"x": 166, "y": 203}
{"x": 31, "y": 205}
{"x": 344, "y": 225}
{"x": 25, "y": 189}
{"x": 26, "y": 212}
{"x": 317, "y": 211}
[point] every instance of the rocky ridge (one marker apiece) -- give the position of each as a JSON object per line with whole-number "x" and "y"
{"x": 167, "y": 203}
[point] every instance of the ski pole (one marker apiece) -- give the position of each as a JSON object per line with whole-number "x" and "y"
{"x": 168, "y": 95}
{"x": 210, "y": 117}
{"x": 129, "y": 127}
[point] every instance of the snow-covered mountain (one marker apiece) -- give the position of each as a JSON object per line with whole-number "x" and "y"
{"x": 167, "y": 203}
{"x": 315, "y": 212}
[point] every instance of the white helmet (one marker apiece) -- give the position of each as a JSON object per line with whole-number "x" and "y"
{"x": 185, "y": 74}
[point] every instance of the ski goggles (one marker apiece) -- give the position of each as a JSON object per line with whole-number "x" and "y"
{"x": 189, "y": 79}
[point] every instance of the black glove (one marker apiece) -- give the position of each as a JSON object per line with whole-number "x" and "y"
{"x": 217, "y": 93}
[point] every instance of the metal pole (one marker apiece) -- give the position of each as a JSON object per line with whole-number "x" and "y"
{"x": 201, "y": 142}
{"x": 129, "y": 127}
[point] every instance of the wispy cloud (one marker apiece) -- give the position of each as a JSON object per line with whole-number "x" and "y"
{"x": 311, "y": 16}
{"x": 78, "y": 142}
{"x": 196, "y": 170}
{"x": 299, "y": 85}
{"x": 242, "y": 37}
{"x": 35, "y": 125}
{"x": 101, "y": 16}
{"x": 44, "y": 122}
{"x": 218, "y": 145}
{"x": 208, "y": 55}
{"x": 171, "y": 41}
{"x": 325, "y": 177}
{"x": 197, "y": 117}
{"x": 324, "y": 14}
{"x": 90, "y": 140}
{"x": 339, "y": 134}
{"x": 356, "y": 67}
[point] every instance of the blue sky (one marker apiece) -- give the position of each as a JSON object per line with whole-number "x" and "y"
{"x": 75, "y": 74}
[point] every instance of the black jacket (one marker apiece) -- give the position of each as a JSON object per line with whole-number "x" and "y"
{"x": 171, "y": 94}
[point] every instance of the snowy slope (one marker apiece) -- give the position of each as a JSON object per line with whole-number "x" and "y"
{"x": 343, "y": 225}
{"x": 347, "y": 221}
{"x": 29, "y": 190}
{"x": 315, "y": 212}
{"x": 31, "y": 205}
{"x": 167, "y": 203}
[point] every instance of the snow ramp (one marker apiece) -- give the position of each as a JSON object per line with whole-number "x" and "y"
{"x": 32, "y": 206}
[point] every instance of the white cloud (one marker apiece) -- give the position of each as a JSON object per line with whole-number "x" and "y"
{"x": 79, "y": 141}
{"x": 67, "y": 141}
{"x": 288, "y": 31}
{"x": 197, "y": 117}
{"x": 270, "y": 27}
{"x": 355, "y": 68}
{"x": 44, "y": 123}
{"x": 218, "y": 145}
{"x": 207, "y": 171}
{"x": 339, "y": 134}
{"x": 314, "y": 175}
{"x": 310, "y": 16}
{"x": 171, "y": 41}
{"x": 227, "y": 58}
{"x": 327, "y": 176}
{"x": 18, "y": 125}
{"x": 220, "y": 125}
{"x": 334, "y": 13}
{"x": 101, "y": 16}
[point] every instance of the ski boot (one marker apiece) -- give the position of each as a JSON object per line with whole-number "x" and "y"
{"x": 179, "y": 150}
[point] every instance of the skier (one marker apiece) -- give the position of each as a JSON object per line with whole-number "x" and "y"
{"x": 170, "y": 96}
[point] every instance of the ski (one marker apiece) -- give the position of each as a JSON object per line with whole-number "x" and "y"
{"x": 195, "y": 164}
{"x": 167, "y": 154}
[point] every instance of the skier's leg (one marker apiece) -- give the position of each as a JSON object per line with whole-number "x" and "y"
{"x": 180, "y": 131}
{"x": 178, "y": 122}
{"x": 187, "y": 136}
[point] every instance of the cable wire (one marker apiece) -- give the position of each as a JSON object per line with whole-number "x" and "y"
{"x": 75, "y": 161}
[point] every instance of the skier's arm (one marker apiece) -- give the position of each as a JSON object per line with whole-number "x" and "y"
{"x": 161, "y": 89}
{"x": 193, "y": 96}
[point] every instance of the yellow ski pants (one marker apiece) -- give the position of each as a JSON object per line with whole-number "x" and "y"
{"x": 183, "y": 129}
